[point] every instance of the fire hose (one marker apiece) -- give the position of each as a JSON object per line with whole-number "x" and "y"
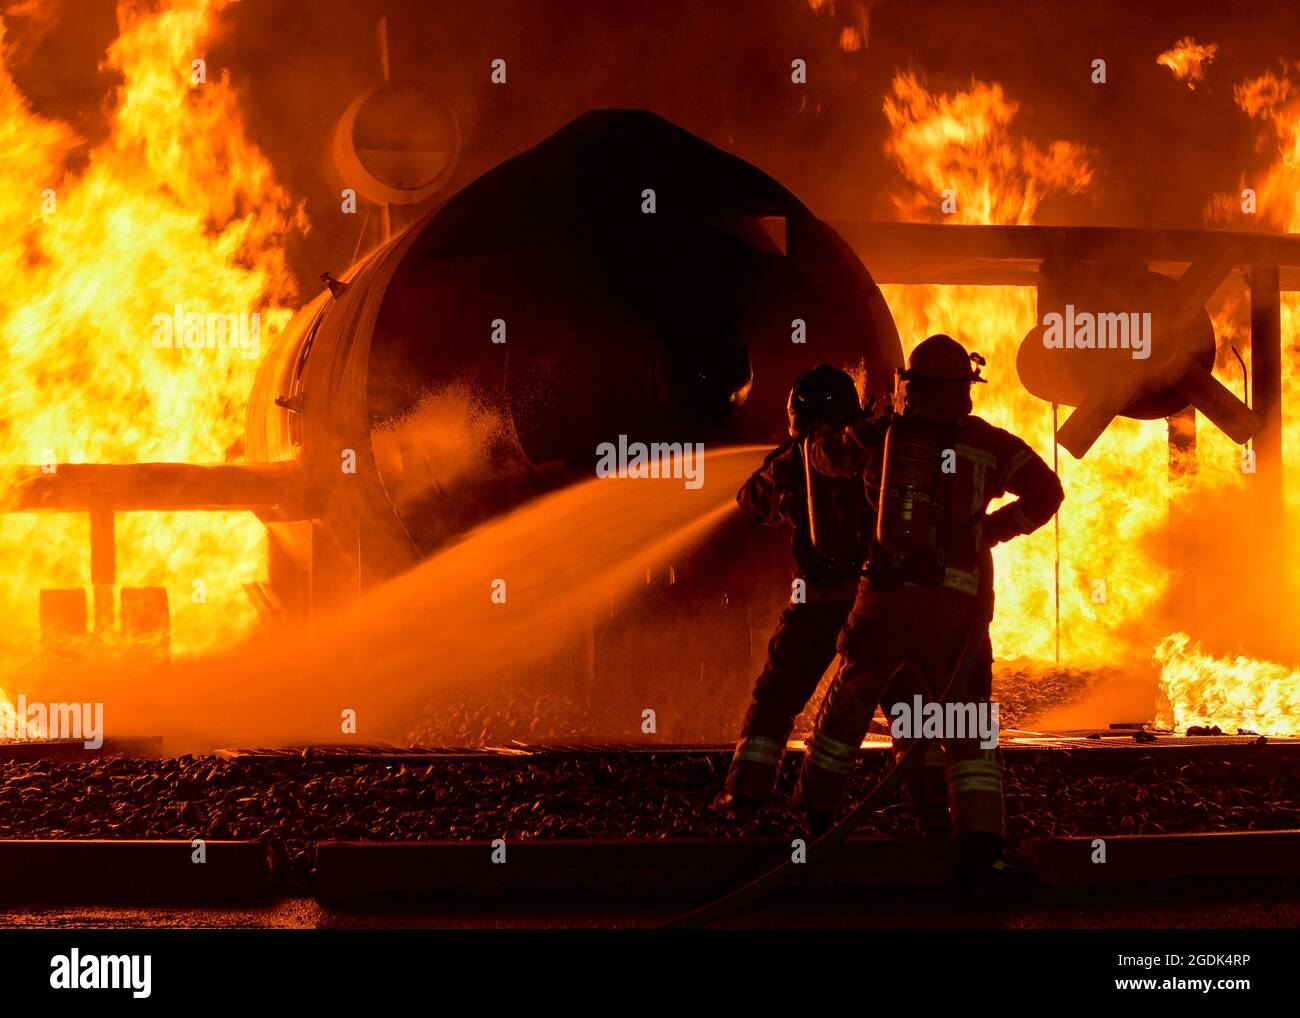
{"x": 884, "y": 790}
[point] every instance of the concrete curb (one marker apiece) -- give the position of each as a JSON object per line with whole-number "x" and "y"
{"x": 1133, "y": 858}
{"x": 162, "y": 872}
{"x": 354, "y": 870}
{"x": 132, "y": 872}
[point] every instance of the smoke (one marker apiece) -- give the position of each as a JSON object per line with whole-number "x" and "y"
{"x": 447, "y": 442}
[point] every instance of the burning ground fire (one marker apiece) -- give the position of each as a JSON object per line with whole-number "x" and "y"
{"x": 1198, "y": 690}
{"x": 175, "y": 207}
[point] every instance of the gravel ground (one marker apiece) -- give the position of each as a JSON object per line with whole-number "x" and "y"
{"x": 292, "y": 803}
{"x": 1024, "y": 690}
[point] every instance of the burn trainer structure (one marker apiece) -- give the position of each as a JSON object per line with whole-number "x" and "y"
{"x": 621, "y": 278}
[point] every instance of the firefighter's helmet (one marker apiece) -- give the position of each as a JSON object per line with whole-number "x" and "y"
{"x": 941, "y": 358}
{"x": 824, "y": 395}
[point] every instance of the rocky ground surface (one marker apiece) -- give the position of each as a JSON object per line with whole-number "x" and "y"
{"x": 292, "y": 802}
{"x": 1024, "y": 690}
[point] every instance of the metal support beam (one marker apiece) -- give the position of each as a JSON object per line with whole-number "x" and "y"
{"x": 103, "y": 566}
{"x": 273, "y": 488}
{"x": 1266, "y": 382}
{"x": 1184, "y": 547}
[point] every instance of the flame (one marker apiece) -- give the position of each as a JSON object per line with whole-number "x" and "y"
{"x": 1118, "y": 498}
{"x": 965, "y": 142}
{"x": 1275, "y": 99}
{"x": 1188, "y": 59}
{"x": 175, "y": 206}
{"x": 1232, "y": 693}
{"x": 1197, "y": 688}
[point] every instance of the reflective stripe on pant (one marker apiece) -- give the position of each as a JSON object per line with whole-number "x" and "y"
{"x": 801, "y": 649}
{"x": 974, "y": 787}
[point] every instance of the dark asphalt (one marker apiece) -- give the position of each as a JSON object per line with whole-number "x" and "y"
{"x": 1172, "y": 906}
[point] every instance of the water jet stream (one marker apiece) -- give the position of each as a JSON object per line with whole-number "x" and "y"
{"x": 432, "y": 630}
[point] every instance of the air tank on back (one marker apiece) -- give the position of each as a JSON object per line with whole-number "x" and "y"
{"x": 621, "y": 278}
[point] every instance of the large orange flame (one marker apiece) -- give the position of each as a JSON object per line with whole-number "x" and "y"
{"x": 175, "y": 207}
{"x": 1114, "y": 575}
{"x": 1238, "y": 693}
{"x": 1243, "y": 692}
{"x": 965, "y": 142}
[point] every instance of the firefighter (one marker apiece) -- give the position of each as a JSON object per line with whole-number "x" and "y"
{"x": 930, "y": 470}
{"x": 828, "y": 553}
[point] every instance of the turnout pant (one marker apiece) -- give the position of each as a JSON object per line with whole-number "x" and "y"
{"x": 921, "y": 628}
{"x": 801, "y": 649}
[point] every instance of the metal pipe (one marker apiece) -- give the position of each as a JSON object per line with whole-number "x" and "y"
{"x": 1266, "y": 380}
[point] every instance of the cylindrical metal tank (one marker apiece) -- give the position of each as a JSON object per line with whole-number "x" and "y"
{"x": 623, "y": 277}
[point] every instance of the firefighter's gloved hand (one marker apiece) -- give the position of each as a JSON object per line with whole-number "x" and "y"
{"x": 998, "y": 527}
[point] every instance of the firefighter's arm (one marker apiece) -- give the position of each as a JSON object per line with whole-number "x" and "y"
{"x": 847, "y": 451}
{"x": 760, "y": 496}
{"x": 1039, "y": 491}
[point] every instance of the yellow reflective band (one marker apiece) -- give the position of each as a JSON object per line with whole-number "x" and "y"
{"x": 968, "y": 785}
{"x": 995, "y": 778}
{"x": 834, "y": 746}
{"x": 974, "y": 770}
{"x": 831, "y": 754}
{"x": 759, "y": 750}
{"x": 959, "y": 579}
{"x": 985, "y": 766}
{"x": 969, "y": 779}
{"x": 954, "y": 778}
{"x": 830, "y": 763}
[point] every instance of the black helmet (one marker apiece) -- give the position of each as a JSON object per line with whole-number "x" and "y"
{"x": 822, "y": 395}
{"x": 941, "y": 358}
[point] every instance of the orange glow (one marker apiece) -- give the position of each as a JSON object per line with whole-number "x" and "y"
{"x": 965, "y": 142}
{"x": 1114, "y": 579}
{"x": 174, "y": 207}
{"x": 1232, "y": 693}
{"x": 1188, "y": 59}
{"x": 1245, "y": 692}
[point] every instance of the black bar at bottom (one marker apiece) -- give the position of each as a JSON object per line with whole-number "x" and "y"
{"x": 1035, "y": 969}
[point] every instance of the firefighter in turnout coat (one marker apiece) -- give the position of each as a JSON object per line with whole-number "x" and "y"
{"x": 930, "y": 469}
{"x": 828, "y": 567}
